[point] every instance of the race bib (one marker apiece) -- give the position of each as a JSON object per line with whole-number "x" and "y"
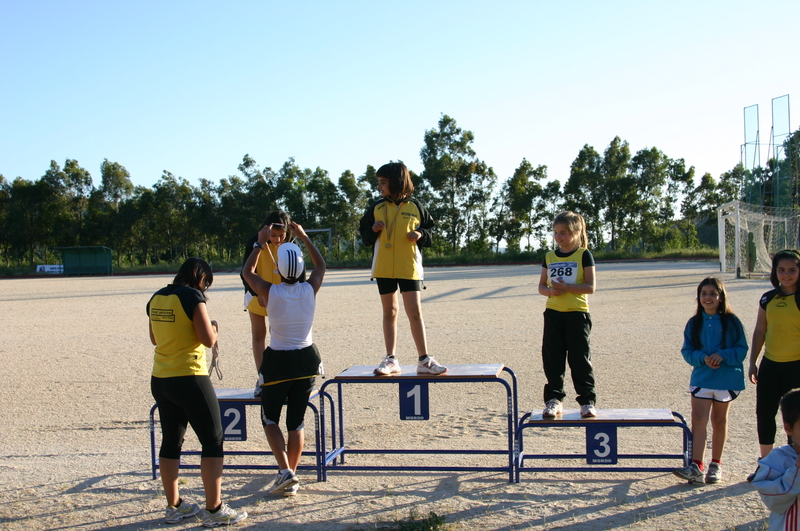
{"x": 564, "y": 271}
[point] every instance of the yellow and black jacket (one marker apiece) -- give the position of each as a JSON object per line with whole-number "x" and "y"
{"x": 394, "y": 255}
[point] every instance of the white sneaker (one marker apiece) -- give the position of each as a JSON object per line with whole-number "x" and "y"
{"x": 428, "y": 365}
{"x": 691, "y": 473}
{"x": 714, "y": 474}
{"x": 225, "y": 516}
{"x": 283, "y": 481}
{"x": 184, "y": 510}
{"x": 291, "y": 490}
{"x": 588, "y": 411}
{"x": 552, "y": 409}
{"x": 389, "y": 365}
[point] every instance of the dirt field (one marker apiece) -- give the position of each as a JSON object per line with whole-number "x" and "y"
{"x": 76, "y": 358}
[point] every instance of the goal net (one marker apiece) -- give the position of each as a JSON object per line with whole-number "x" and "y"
{"x": 750, "y": 235}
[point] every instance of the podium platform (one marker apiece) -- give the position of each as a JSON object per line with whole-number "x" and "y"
{"x": 417, "y": 386}
{"x": 601, "y": 439}
{"x": 232, "y": 404}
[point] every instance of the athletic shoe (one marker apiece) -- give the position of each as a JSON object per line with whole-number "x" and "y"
{"x": 714, "y": 474}
{"x": 588, "y": 411}
{"x": 282, "y": 481}
{"x": 291, "y": 490}
{"x": 389, "y": 365}
{"x": 428, "y": 365}
{"x": 552, "y": 409}
{"x": 184, "y": 510}
{"x": 225, "y": 516}
{"x": 692, "y": 473}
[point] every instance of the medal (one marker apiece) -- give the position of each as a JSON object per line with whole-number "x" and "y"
{"x": 390, "y": 232}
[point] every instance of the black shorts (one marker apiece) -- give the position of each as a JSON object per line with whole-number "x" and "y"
{"x": 294, "y": 394}
{"x": 288, "y": 379}
{"x": 390, "y": 285}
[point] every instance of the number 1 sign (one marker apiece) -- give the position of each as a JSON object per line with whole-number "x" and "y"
{"x": 414, "y": 401}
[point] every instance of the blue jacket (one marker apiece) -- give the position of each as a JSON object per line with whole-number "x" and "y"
{"x": 778, "y": 484}
{"x": 730, "y": 374}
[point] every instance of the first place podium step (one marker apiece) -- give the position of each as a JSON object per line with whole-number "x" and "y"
{"x": 413, "y": 390}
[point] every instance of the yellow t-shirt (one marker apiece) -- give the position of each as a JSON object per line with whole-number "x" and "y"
{"x": 178, "y": 351}
{"x": 266, "y": 268}
{"x": 782, "y": 340}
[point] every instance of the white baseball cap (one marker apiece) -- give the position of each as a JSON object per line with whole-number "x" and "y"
{"x": 290, "y": 261}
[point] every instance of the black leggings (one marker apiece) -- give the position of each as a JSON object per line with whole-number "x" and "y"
{"x": 774, "y": 380}
{"x": 192, "y": 400}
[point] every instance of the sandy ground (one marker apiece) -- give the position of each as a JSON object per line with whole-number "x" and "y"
{"x": 74, "y": 385}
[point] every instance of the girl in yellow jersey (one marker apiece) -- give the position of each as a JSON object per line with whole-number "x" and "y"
{"x": 567, "y": 278}
{"x": 397, "y": 227}
{"x": 181, "y": 330}
{"x": 778, "y": 331}
{"x": 266, "y": 268}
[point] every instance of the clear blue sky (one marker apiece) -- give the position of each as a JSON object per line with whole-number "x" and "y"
{"x": 191, "y": 87}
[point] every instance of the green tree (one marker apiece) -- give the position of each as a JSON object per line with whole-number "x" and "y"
{"x": 357, "y": 195}
{"x": 78, "y": 188}
{"x": 644, "y": 214}
{"x": 584, "y": 192}
{"x": 523, "y": 193}
{"x": 456, "y": 177}
{"x": 618, "y": 187}
{"x": 115, "y": 182}
{"x": 5, "y": 239}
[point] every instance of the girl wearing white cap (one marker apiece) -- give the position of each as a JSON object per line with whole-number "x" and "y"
{"x": 291, "y": 361}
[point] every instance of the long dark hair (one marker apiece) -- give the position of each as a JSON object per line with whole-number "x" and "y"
{"x": 790, "y": 407}
{"x": 786, "y": 254}
{"x": 195, "y": 273}
{"x": 724, "y": 311}
{"x": 279, "y": 217}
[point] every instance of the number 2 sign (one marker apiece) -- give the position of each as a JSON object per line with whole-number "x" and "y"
{"x": 234, "y": 422}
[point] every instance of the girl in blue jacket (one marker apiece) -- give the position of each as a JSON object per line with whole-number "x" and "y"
{"x": 714, "y": 344}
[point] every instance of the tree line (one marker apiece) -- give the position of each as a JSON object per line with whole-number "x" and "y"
{"x": 643, "y": 201}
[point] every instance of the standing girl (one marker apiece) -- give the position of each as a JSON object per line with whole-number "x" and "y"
{"x": 397, "y": 227}
{"x": 567, "y": 278}
{"x": 292, "y": 360}
{"x": 266, "y": 269}
{"x": 181, "y": 330}
{"x": 714, "y": 345}
{"x": 778, "y": 331}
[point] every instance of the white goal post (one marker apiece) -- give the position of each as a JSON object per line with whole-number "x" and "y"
{"x": 749, "y": 236}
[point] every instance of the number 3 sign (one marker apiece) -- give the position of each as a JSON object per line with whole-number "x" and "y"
{"x": 601, "y": 445}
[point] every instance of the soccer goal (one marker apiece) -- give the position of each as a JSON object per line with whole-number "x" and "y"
{"x": 750, "y": 235}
